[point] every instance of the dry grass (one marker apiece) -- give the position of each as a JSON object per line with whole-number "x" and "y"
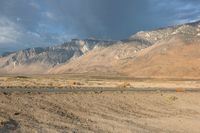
{"x": 64, "y": 82}
{"x": 180, "y": 90}
{"x": 124, "y": 85}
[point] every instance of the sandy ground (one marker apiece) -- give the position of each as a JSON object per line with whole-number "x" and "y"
{"x": 115, "y": 112}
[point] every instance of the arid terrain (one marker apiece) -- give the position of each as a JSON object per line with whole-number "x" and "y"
{"x": 166, "y": 52}
{"x": 99, "y": 66}
{"x": 133, "y": 112}
{"x": 147, "y": 83}
{"x": 98, "y": 104}
{"x": 91, "y": 81}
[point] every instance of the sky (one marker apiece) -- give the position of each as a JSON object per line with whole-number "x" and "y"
{"x": 41, "y": 23}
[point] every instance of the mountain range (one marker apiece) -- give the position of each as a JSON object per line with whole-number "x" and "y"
{"x": 166, "y": 52}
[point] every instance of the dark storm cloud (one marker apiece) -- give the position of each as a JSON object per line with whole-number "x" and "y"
{"x": 114, "y": 19}
{"x": 117, "y": 19}
{"x": 30, "y": 23}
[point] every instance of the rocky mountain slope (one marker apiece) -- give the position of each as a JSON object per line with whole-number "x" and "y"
{"x": 38, "y": 60}
{"x": 171, "y": 51}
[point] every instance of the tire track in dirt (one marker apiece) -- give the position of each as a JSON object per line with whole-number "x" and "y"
{"x": 102, "y": 112}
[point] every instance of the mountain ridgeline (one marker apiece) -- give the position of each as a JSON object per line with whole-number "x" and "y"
{"x": 171, "y": 51}
{"x": 55, "y": 54}
{"x": 49, "y": 56}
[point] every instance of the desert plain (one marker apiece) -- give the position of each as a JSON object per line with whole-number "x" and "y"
{"x": 78, "y": 103}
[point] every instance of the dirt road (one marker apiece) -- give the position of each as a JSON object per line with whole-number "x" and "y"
{"x": 94, "y": 89}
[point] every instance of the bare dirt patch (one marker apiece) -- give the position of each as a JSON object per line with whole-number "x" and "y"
{"x": 101, "y": 112}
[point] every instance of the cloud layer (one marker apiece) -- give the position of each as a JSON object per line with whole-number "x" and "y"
{"x": 33, "y": 23}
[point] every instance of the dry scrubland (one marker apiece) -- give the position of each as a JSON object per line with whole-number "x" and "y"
{"x": 118, "y": 111}
{"x": 68, "y": 81}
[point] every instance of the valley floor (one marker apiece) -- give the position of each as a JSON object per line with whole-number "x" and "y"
{"x": 174, "y": 107}
{"x": 82, "y": 81}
